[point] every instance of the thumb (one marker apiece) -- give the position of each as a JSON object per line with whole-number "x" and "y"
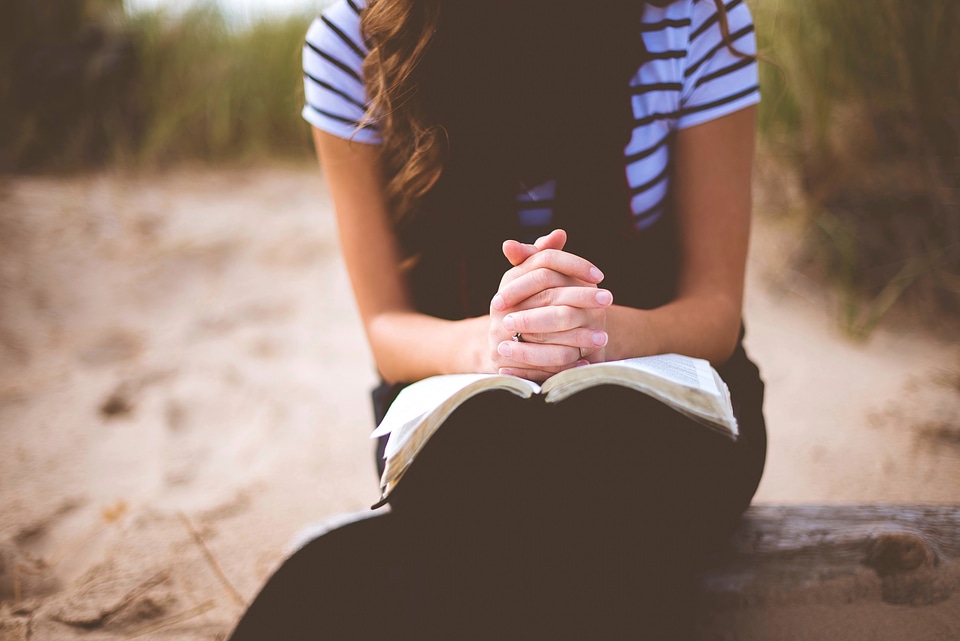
{"x": 554, "y": 240}
{"x": 517, "y": 252}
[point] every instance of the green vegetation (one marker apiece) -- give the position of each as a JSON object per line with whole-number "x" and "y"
{"x": 86, "y": 86}
{"x": 865, "y": 105}
{"x": 211, "y": 93}
{"x": 862, "y": 101}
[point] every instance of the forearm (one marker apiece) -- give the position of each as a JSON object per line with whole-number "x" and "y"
{"x": 704, "y": 326}
{"x": 409, "y": 346}
{"x": 711, "y": 186}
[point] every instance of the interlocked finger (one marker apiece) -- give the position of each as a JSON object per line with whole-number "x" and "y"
{"x": 584, "y": 338}
{"x": 524, "y": 293}
{"x": 531, "y": 289}
{"x": 529, "y": 374}
{"x": 558, "y": 261}
{"x": 536, "y": 356}
{"x": 549, "y": 320}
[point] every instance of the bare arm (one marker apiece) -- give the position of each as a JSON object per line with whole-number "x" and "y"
{"x": 398, "y": 335}
{"x": 711, "y": 181}
{"x": 712, "y": 170}
{"x": 712, "y": 184}
{"x": 408, "y": 345}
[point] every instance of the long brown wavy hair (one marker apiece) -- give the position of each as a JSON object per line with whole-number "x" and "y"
{"x": 398, "y": 34}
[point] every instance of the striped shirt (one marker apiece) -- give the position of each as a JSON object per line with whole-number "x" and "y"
{"x": 691, "y": 77}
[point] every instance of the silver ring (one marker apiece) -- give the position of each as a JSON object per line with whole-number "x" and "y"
{"x": 518, "y": 337}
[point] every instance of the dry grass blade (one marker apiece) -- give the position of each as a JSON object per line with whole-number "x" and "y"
{"x": 173, "y": 620}
{"x": 869, "y": 117}
{"x": 212, "y": 560}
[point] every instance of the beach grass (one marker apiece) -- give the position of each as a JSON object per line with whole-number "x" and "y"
{"x": 861, "y": 101}
{"x": 101, "y": 87}
{"x": 209, "y": 92}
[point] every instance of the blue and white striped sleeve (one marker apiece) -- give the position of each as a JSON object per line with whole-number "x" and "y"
{"x": 716, "y": 80}
{"x": 334, "y": 92}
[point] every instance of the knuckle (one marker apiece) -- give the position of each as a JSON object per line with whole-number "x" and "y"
{"x": 543, "y": 298}
{"x": 584, "y": 338}
{"x": 541, "y": 278}
{"x": 549, "y": 258}
{"x": 558, "y": 357}
{"x": 557, "y": 256}
{"x": 542, "y": 258}
{"x": 519, "y": 322}
{"x": 508, "y": 294}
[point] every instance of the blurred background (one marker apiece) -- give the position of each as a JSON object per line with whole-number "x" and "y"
{"x": 861, "y": 105}
{"x": 183, "y": 376}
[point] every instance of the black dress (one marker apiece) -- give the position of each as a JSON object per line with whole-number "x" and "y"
{"x": 519, "y": 520}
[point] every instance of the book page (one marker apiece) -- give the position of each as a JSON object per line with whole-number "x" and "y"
{"x": 420, "y": 408}
{"x": 421, "y": 398}
{"x": 683, "y": 370}
{"x": 688, "y": 385}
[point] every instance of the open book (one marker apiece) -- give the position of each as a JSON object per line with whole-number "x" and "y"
{"x": 688, "y": 385}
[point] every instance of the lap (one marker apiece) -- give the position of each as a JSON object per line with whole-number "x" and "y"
{"x": 526, "y": 520}
{"x": 609, "y": 458}
{"x": 388, "y": 576}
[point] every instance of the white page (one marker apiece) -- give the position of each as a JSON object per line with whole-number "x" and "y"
{"x": 684, "y": 370}
{"x": 422, "y": 398}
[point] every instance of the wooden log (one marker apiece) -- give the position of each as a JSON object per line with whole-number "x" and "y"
{"x": 837, "y": 572}
{"x": 790, "y": 573}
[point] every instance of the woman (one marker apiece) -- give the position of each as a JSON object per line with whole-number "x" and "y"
{"x": 454, "y": 137}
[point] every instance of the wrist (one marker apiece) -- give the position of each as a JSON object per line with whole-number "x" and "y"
{"x": 631, "y": 333}
{"x": 473, "y": 346}
{"x": 702, "y": 327}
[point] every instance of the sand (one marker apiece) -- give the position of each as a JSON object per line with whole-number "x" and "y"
{"x": 184, "y": 387}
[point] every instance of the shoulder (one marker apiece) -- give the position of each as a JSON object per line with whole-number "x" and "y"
{"x": 337, "y": 30}
{"x": 682, "y": 22}
{"x": 715, "y": 48}
{"x": 706, "y": 12}
{"x": 333, "y": 57}
{"x": 709, "y": 24}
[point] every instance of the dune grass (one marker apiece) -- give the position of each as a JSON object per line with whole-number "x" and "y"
{"x": 862, "y": 101}
{"x": 94, "y": 86}
{"x": 212, "y": 93}
{"x": 865, "y": 106}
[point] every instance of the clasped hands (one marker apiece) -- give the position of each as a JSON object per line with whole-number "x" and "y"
{"x": 550, "y": 297}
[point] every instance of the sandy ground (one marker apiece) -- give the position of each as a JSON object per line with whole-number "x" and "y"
{"x": 184, "y": 387}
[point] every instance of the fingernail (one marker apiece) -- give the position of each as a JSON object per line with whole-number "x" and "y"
{"x": 582, "y": 363}
{"x": 508, "y": 323}
{"x": 600, "y": 339}
{"x": 596, "y": 274}
{"x": 505, "y": 371}
{"x": 497, "y": 302}
{"x": 505, "y": 349}
{"x": 604, "y": 297}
